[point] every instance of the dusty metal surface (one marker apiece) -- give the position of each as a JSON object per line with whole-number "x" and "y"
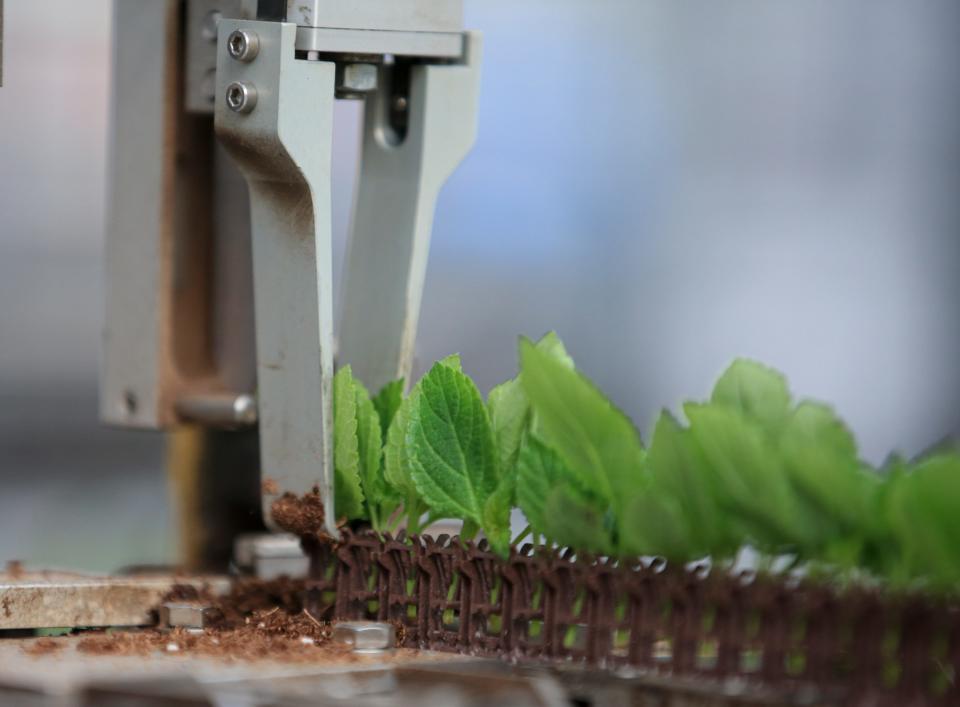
{"x": 379, "y": 15}
{"x": 54, "y": 600}
{"x": 287, "y": 163}
{"x": 432, "y": 45}
{"x": 64, "y": 677}
{"x": 270, "y": 555}
{"x": 60, "y": 674}
{"x": 794, "y": 642}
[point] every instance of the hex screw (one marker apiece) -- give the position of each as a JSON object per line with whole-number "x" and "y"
{"x": 241, "y": 97}
{"x": 243, "y": 45}
{"x": 366, "y": 636}
{"x": 356, "y": 80}
{"x": 181, "y": 615}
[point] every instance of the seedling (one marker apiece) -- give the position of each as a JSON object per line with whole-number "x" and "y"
{"x": 748, "y": 467}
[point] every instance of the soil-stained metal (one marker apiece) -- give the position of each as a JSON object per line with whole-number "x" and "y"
{"x": 48, "y": 600}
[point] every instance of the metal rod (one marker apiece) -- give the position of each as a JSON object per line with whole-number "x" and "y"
{"x": 220, "y": 409}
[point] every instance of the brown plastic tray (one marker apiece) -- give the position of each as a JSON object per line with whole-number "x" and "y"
{"x": 863, "y": 645}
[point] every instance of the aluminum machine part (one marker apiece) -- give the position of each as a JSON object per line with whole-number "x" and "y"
{"x": 274, "y": 114}
{"x": 55, "y": 600}
{"x": 222, "y": 148}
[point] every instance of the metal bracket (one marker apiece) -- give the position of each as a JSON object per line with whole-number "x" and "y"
{"x": 202, "y": 19}
{"x": 421, "y": 28}
{"x": 274, "y": 114}
{"x": 397, "y": 192}
{"x": 1, "y": 43}
{"x": 378, "y": 15}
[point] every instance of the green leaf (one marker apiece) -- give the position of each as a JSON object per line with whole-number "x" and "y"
{"x": 510, "y": 416}
{"x": 654, "y": 524}
{"x": 597, "y": 442}
{"x": 551, "y": 345}
{"x": 760, "y": 393}
{"x": 572, "y": 522}
{"x": 387, "y": 402}
{"x": 555, "y": 505}
{"x": 745, "y": 474}
{"x": 396, "y": 462}
{"x": 381, "y": 501}
{"x": 496, "y": 514}
{"x": 452, "y": 361}
{"x": 820, "y": 457}
{"x": 677, "y": 474}
{"x": 923, "y": 515}
{"x": 452, "y": 456}
{"x": 348, "y": 494}
{"x": 396, "y": 453}
{"x": 539, "y": 470}
{"x": 510, "y": 411}
{"x": 370, "y": 447}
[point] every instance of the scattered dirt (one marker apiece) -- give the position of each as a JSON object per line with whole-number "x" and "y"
{"x": 250, "y": 596}
{"x": 272, "y": 634}
{"x": 269, "y": 487}
{"x": 190, "y": 592}
{"x": 43, "y": 646}
{"x": 257, "y": 620}
{"x": 120, "y": 643}
{"x": 301, "y": 515}
{"x": 14, "y": 569}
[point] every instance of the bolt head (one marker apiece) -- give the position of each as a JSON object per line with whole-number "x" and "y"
{"x": 359, "y": 78}
{"x": 243, "y": 45}
{"x": 183, "y": 615}
{"x": 366, "y": 636}
{"x": 241, "y": 97}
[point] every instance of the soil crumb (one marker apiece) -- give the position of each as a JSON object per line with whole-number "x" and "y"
{"x": 43, "y": 646}
{"x": 300, "y": 515}
{"x": 189, "y": 592}
{"x": 14, "y": 569}
{"x": 269, "y": 487}
{"x": 257, "y": 620}
{"x": 264, "y": 634}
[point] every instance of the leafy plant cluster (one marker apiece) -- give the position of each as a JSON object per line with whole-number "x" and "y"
{"x": 748, "y": 467}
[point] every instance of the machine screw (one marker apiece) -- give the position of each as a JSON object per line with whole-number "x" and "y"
{"x": 180, "y": 615}
{"x": 366, "y": 636}
{"x": 241, "y": 97}
{"x": 243, "y": 45}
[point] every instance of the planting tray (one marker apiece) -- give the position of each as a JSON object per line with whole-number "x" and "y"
{"x": 804, "y": 639}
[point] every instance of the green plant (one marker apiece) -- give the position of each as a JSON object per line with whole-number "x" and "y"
{"x": 749, "y": 466}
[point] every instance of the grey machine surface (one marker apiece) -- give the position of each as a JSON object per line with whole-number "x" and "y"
{"x": 218, "y": 267}
{"x": 218, "y": 257}
{"x": 221, "y": 186}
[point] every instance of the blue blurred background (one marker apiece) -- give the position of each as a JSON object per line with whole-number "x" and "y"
{"x": 667, "y": 183}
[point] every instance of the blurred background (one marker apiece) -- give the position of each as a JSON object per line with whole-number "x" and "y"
{"x": 667, "y": 183}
